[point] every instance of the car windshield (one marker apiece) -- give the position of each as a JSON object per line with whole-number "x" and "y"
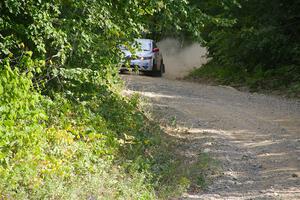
{"x": 144, "y": 44}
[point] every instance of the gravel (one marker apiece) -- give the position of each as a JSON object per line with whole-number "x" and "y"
{"x": 255, "y": 136}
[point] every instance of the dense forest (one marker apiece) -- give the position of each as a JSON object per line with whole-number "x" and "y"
{"x": 66, "y": 132}
{"x": 261, "y": 49}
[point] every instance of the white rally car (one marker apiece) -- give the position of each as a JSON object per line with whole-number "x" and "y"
{"x": 147, "y": 58}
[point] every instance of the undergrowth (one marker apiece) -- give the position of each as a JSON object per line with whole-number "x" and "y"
{"x": 65, "y": 130}
{"x": 60, "y": 148}
{"x": 79, "y": 146}
{"x": 284, "y": 80}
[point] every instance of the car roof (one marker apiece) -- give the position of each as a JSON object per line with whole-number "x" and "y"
{"x": 144, "y": 40}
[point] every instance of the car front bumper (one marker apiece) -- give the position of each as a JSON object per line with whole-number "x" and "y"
{"x": 142, "y": 65}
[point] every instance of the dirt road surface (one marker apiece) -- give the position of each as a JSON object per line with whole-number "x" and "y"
{"x": 255, "y": 137}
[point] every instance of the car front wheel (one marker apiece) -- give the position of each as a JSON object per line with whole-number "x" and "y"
{"x": 157, "y": 72}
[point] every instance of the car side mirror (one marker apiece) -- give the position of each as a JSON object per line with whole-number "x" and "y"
{"x": 155, "y": 50}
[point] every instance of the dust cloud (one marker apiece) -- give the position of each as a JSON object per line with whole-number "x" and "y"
{"x": 179, "y": 61}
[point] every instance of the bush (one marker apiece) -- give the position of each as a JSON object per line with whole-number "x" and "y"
{"x": 260, "y": 50}
{"x": 285, "y": 79}
{"x": 65, "y": 130}
{"x": 63, "y": 149}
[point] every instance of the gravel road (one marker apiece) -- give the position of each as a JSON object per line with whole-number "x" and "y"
{"x": 255, "y": 137}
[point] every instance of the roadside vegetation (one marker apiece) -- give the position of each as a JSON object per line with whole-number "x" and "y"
{"x": 66, "y": 132}
{"x": 260, "y": 50}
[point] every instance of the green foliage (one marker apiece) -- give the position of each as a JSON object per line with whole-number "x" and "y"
{"x": 221, "y": 74}
{"x": 284, "y": 80}
{"x": 72, "y": 148}
{"x": 31, "y": 24}
{"x": 261, "y": 49}
{"x": 65, "y": 131}
{"x": 264, "y": 34}
{"x": 186, "y": 19}
{"x": 21, "y": 122}
{"x": 61, "y": 149}
{"x": 81, "y": 38}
